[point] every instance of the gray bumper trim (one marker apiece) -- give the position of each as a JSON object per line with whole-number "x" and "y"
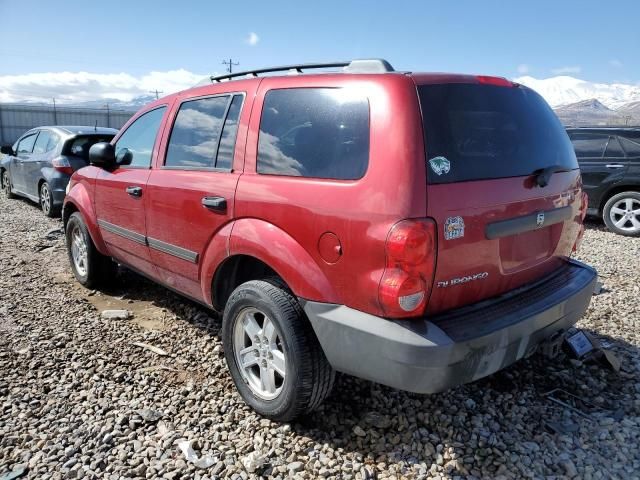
{"x": 422, "y": 356}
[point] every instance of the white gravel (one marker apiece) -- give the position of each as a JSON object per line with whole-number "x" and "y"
{"x": 78, "y": 399}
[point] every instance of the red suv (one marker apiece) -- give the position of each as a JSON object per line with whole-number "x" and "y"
{"x": 410, "y": 229}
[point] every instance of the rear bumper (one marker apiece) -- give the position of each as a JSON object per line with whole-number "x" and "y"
{"x": 433, "y": 354}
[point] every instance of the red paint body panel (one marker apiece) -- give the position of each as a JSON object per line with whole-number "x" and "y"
{"x": 81, "y": 196}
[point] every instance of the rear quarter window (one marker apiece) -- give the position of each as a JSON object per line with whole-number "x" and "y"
{"x": 477, "y": 132}
{"x": 314, "y": 132}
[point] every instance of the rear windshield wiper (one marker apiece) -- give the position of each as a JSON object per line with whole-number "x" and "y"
{"x": 543, "y": 175}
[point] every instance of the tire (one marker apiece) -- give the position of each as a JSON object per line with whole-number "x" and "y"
{"x": 621, "y": 214}
{"x": 6, "y": 185}
{"x": 95, "y": 269}
{"x": 308, "y": 378}
{"x": 46, "y": 201}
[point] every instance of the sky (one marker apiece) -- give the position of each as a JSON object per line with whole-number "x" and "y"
{"x": 86, "y": 49}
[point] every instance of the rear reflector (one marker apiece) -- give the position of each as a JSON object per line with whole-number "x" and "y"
{"x": 497, "y": 81}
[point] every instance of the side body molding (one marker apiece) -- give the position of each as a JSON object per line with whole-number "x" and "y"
{"x": 285, "y": 255}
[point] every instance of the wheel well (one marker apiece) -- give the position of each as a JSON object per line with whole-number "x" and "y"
{"x": 235, "y": 271}
{"x": 40, "y": 182}
{"x": 67, "y": 210}
{"x": 2, "y": 169}
{"x": 614, "y": 191}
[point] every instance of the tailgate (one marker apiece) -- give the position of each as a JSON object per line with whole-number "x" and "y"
{"x": 498, "y": 228}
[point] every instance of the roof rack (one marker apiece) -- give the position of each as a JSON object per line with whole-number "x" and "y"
{"x": 354, "y": 66}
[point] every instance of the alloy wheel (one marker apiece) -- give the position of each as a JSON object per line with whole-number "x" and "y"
{"x": 6, "y": 186}
{"x": 79, "y": 251}
{"x": 259, "y": 353}
{"x": 625, "y": 214}
{"x": 45, "y": 199}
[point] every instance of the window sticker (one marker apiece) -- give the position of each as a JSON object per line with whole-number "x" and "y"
{"x": 440, "y": 165}
{"x": 453, "y": 228}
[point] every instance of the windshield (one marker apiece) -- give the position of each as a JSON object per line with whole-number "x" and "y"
{"x": 475, "y": 132}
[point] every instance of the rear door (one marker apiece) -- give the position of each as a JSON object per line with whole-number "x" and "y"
{"x": 498, "y": 229}
{"x": 120, "y": 194}
{"x": 39, "y": 158}
{"x": 191, "y": 192}
{"x": 602, "y": 163}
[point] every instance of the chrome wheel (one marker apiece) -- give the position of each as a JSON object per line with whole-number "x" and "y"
{"x": 45, "y": 199}
{"x": 79, "y": 251}
{"x": 259, "y": 353}
{"x": 625, "y": 214}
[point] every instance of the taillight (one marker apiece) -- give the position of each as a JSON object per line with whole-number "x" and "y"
{"x": 408, "y": 276}
{"x": 584, "y": 204}
{"x": 62, "y": 165}
{"x": 497, "y": 81}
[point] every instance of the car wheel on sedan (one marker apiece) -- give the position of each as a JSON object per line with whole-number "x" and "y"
{"x": 6, "y": 185}
{"x": 272, "y": 352}
{"x": 621, "y": 213}
{"x": 46, "y": 201}
{"x": 89, "y": 266}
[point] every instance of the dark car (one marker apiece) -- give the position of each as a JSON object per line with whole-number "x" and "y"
{"x": 411, "y": 229}
{"x": 39, "y": 165}
{"x": 609, "y": 159}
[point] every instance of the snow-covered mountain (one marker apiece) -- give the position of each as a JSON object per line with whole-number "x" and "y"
{"x": 564, "y": 90}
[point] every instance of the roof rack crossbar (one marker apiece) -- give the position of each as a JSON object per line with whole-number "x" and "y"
{"x": 372, "y": 65}
{"x": 298, "y": 68}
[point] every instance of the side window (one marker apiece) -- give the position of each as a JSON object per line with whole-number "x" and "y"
{"x": 42, "y": 141}
{"x": 196, "y": 132}
{"x": 53, "y": 141}
{"x": 631, "y": 147}
{"x": 229, "y": 132}
{"x": 140, "y": 138}
{"x": 314, "y": 132}
{"x": 26, "y": 144}
{"x": 614, "y": 150}
{"x": 589, "y": 145}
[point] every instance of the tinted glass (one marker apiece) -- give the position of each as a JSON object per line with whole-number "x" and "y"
{"x": 229, "y": 132}
{"x": 613, "y": 148}
{"x": 632, "y": 147}
{"x": 589, "y": 144}
{"x": 79, "y": 146}
{"x": 41, "y": 143}
{"x": 26, "y": 144}
{"x": 195, "y": 133}
{"x": 140, "y": 137}
{"x": 314, "y": 132}
{"x": 475, "y": 132}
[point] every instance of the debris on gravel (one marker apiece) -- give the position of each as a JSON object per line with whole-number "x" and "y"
{"x": 78, "y": 400}
{"x": 115, "y": 314}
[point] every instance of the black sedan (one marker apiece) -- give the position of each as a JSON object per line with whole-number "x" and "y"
{"x": 39, "y": 165}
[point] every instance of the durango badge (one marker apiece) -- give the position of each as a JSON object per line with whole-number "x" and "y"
{"x": 453, "y": 228}
{"x": 440, "y": 165}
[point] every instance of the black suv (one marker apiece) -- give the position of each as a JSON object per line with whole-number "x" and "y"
{"x": 609, "y": 159}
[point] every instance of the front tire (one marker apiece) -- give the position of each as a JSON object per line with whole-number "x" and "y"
{"x": 46, "y": 201}
{"x": 621, "y": 213}
{"x": 6, "y": 186}
{"x": 273, "y": 355}
{"x": 89, "y": 266}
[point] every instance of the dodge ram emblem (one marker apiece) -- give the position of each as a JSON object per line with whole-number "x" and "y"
{"x": 540, "y": 220}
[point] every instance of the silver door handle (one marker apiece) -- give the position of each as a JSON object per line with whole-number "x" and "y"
{"x": 614, "y": 165}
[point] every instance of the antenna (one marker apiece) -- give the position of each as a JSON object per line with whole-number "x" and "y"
{"x": 230, "y": 64}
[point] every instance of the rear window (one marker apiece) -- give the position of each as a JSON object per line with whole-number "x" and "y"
{"x": 79, "y": 146}
{"x": 476, "y": 132}
{"x": 314, "y": 132}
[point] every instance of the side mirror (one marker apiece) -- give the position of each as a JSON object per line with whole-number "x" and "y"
{"x": 124, "y": 156}
{"x": 102, "y": 154}
{"x": 7, "y": 150}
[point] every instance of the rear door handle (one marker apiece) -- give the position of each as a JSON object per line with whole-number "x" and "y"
{"x": 217, "y": 204}
{"x": 614, "y": 165}
{"x": 134, "y": 191}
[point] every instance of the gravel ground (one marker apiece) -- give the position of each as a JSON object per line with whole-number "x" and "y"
{"x": 77, "y": 399}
